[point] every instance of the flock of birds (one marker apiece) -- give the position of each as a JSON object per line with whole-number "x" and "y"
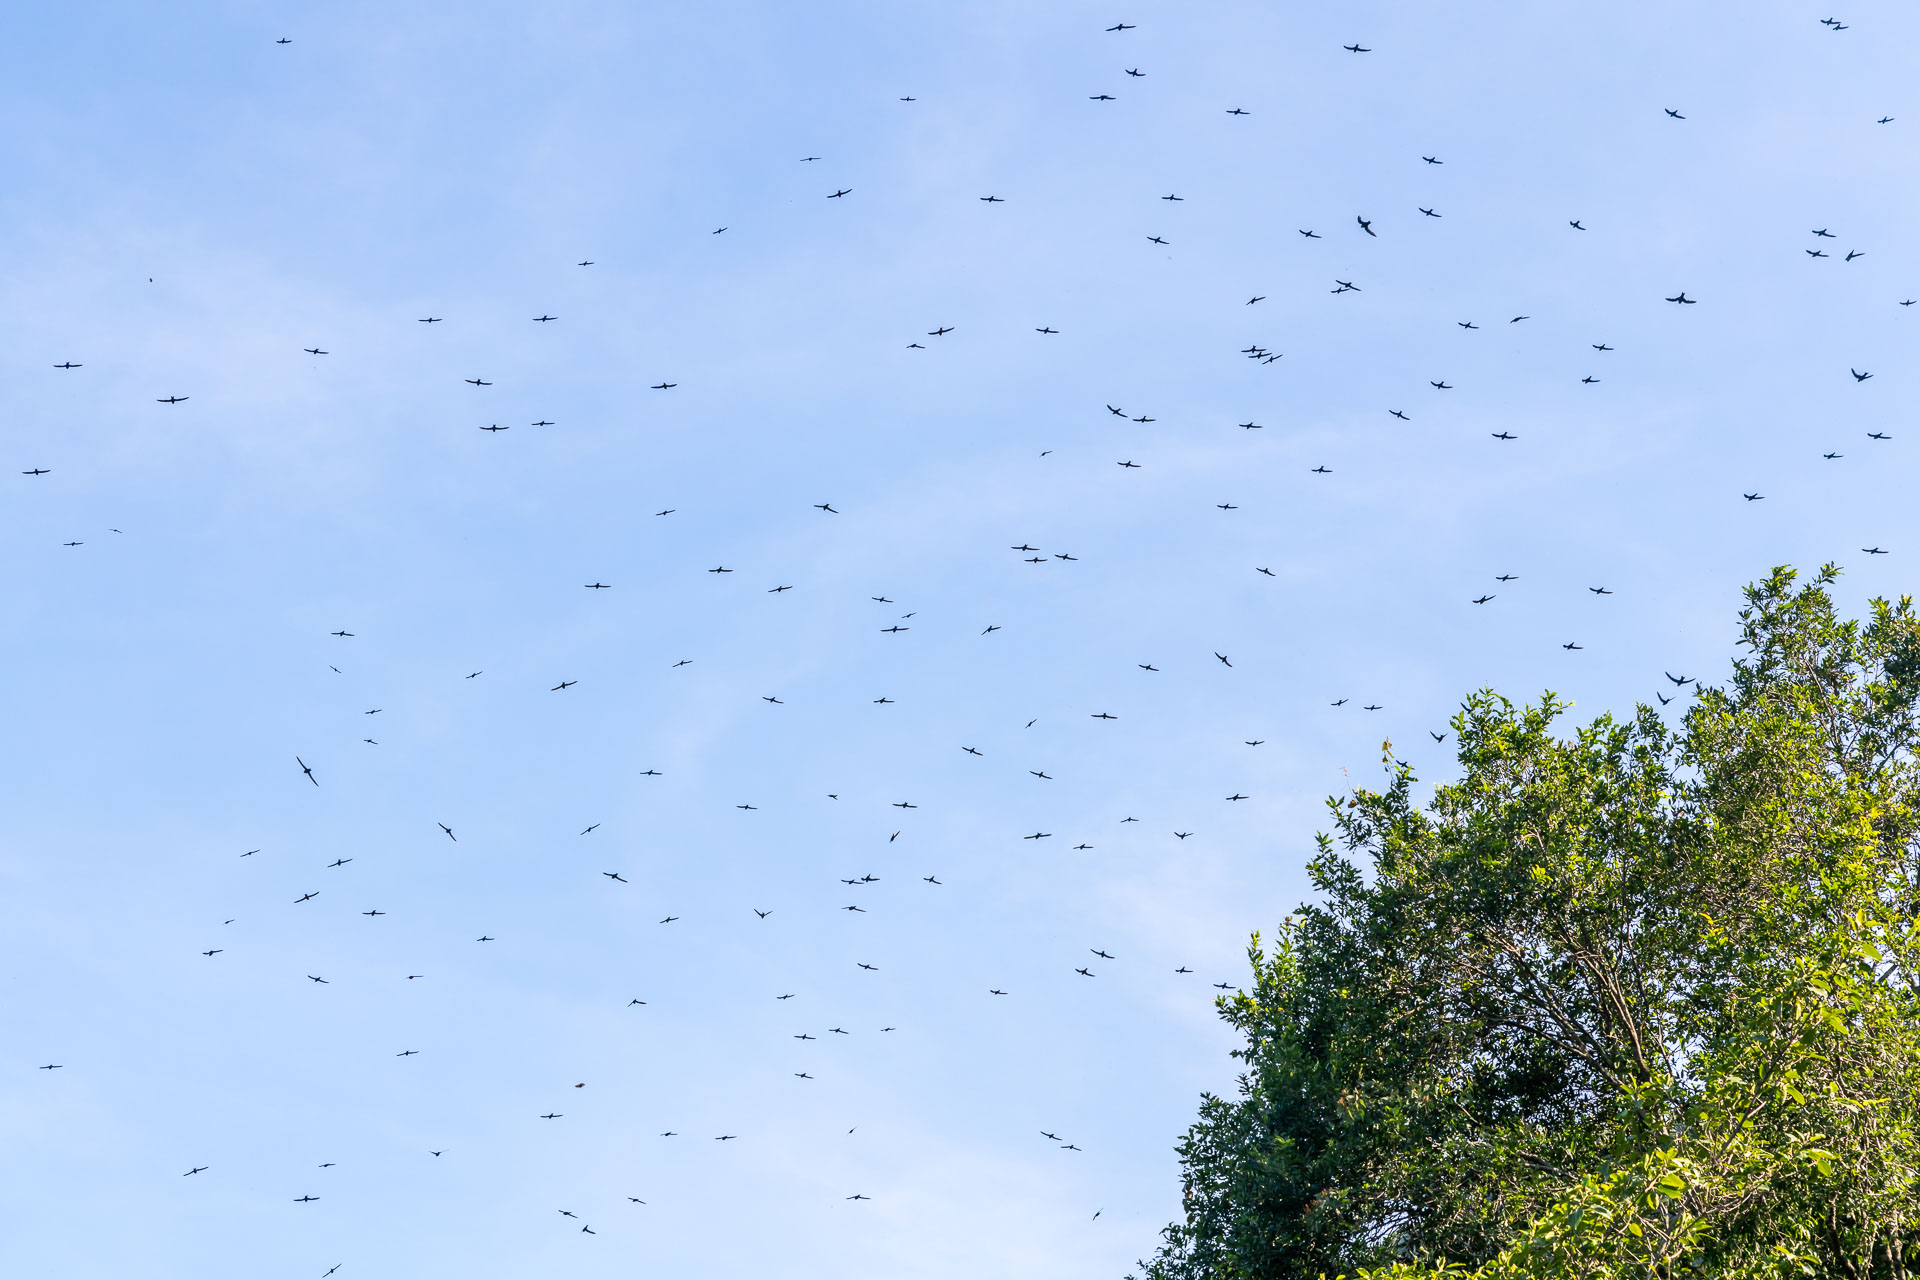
{"x": 306, "y": 762}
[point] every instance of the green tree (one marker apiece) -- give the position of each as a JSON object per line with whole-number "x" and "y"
{"x": 1636, "y": 1002}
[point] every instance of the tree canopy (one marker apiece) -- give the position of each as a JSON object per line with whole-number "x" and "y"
{"x": 1638, "y": 1001}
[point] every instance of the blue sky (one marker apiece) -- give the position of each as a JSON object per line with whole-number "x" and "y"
{"x": 189, "y": 205}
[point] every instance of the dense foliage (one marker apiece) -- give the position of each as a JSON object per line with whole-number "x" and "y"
{"x": 1637, "y": 1002}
